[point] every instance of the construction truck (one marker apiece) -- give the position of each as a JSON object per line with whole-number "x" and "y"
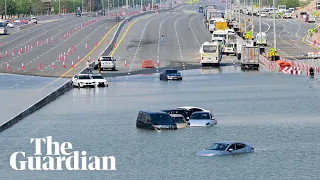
{"x": 250, "y": 57}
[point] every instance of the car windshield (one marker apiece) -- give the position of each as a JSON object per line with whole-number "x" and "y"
{"x": 171, "y": 71}
{"x": 84, "y": 77}
{"x": 161, "y": 118}
{"x": 178, "y": 119}
{"x": 200, "y": 116}
{"x": 97, "y": 77}
{"x": 229, "y": 45}
{"x": 218, "y": 147}
{"x": 209, "y": 48}
{"x": 106, "y": 59}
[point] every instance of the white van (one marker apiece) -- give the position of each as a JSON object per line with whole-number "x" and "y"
{"x": 3, "y": 28}
{"x": 210, "y": 53}
{"x": 261, "y": 38}
{"x": 219, "y": 33}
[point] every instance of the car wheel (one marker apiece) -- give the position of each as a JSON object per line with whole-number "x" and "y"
{"x": 107, "y": 85}
{"x": 79, "y": 85}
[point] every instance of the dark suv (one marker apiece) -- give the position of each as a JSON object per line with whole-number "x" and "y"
{"x": 170, "y": 74}
{"x": 155, "y": 121}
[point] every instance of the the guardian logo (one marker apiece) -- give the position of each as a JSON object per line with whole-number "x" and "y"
{"x": 63, "y": 158}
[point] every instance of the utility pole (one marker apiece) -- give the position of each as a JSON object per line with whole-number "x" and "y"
{"x": 127, "y": 8}
{"x": 252, "y": 19}
{"x": 151, "y": 4}
{"x": 245, "y": 17}
{"x": 81, "y": 7}
{"x": 260, "y": 21}
{"x": 141, "y": 6}
{"x": 59, "y": 9}
{"x": 5, "y": 9}
{"x": 274, "y": 27}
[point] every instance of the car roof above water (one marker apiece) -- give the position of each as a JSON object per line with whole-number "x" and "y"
{"x": 153, "y": 112}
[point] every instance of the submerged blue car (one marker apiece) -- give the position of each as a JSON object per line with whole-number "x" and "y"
{"x": 226, "y": 148}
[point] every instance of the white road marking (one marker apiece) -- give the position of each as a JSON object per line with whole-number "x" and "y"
{"x": 194, "y": 35}
{"x": 179, "y": 45}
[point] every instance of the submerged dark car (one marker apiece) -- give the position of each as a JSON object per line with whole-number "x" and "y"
{"x": 170, "y": 74}
{"x": 155, "y": 121}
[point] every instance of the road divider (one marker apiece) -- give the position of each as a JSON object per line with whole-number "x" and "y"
{"x": 26, "y": 26}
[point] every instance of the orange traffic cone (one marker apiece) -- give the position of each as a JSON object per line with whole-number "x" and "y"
{"x": 86, "y": 46}
{"x": 125, "y": 63}
{"x": 7, "y": 54}
{"x": 12, "y": 52}
{"x": 39, "y": 65}
{"x": 89, "y": 59}
{"x": 63, "y": 65}
{"x": 22, "y": 66}
{"x": 78, "y": 58}
{"x": 0, "y": 55}
{"x": 158, "y": 63}
{"x": 72, "y": 65}
{"x": 53, "y": 66}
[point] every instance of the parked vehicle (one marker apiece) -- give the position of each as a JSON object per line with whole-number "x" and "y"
{"x": 83, "y": 80}
{"x": 108, "y": 62}
{"x": 179, "y": 120}
{"x": 250, "y": 57}
{"x": 99, "y": 80}
{"x": 33, "y": 20}
{"x": 202, "y": 119}
{"x": 170, "y": 74}
{"x": 155, "y": 121}
{"x": 184, "y": 112}
{"x": 226, "y": 148}
{"x": 3, "y": 28}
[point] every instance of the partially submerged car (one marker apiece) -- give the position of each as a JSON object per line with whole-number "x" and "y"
{"x": 226, "y": 148}
{"x": 202, "y": 119}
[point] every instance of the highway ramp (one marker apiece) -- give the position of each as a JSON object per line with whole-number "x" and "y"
{"x": 289, "y": 35}
{"x": 183, "y": 32}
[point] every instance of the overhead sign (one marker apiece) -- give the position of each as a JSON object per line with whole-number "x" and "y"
{"x": 221, "y": 25}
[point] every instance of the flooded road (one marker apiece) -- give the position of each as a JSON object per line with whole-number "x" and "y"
{"x": 275, "y": 113}
{"x": 18, "y": 92}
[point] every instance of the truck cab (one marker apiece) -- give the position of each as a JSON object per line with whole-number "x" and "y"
{"x": 212, "y": 23}
{"x": 261, "y": 38}
{"x": 250, "y": 57}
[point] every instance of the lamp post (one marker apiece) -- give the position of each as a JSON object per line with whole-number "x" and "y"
{"x": 245, "y": 18}
{"x": 260, "y": 21}
{"x": 274, "y": 27}
{"x": 5, "y": 9}
{"x": 141, "y": 6}
{"x": 59, "y": 9}
{"x": 251, "y": 18}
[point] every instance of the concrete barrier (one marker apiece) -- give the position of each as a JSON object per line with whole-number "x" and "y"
{"x": 68, "y": 85}
{"x": 26, "y": 26}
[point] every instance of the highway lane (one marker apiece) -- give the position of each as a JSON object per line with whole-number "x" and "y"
{"x": 180, "y": 49}
{"x": 39, "y": 60}
{"x": 289, "y": 36}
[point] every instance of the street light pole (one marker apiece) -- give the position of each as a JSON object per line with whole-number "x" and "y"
{"x": 81, "y": 7}
{"x": 127, "y": 8}
{"x": 251, "y": 18}
{"x": 245, "y": 17}
{"x": 274, "y": 27}
{"x": 59, "y": 9}
{"x": 5, "y": 9}
{"x": 260, "y": 21}
{"x": 141, "y": 6}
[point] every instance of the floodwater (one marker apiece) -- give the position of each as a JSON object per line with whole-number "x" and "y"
{"x": 275, "y": 113}
{"x": 18, "y": 92}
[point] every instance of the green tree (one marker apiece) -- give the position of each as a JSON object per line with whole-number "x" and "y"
{"x": 289, "y": 3}
{"x": 11, "y": 7}
{"x": 37, "y": 7}
{"x": 23, "y": 7}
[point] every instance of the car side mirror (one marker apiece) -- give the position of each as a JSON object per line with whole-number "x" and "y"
{"x": 230, "y": 150}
